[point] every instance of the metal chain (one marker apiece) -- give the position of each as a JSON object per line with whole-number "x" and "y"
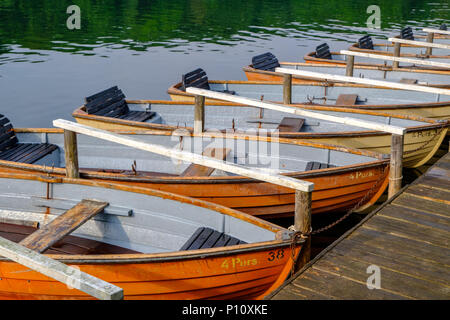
{"x": 356, "y": 207}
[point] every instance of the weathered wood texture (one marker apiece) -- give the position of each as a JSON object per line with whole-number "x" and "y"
{"x": 64, "y": 224}
{"x": 407, "y": 238}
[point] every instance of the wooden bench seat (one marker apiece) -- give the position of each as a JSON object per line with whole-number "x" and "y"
{"x": 205, "y": 237}
{"x": 198, "y": 79}
{"x": 12, "y": 150}
{"x": 196, "y": 170}
{"x": 45, "y": 237}
{"x": 323, "y": 51}
{"x": 266, "y": 61}
{"x": 111, "y": 103}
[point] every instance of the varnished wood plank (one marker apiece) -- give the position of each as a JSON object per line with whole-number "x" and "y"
{"x": 412, "y": 247}
{"x": 392, "y": 259}
{"x": 391, "y": 281}
{"x": 62, "y": 225}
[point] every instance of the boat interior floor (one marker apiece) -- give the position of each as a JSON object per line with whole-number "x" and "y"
{"x": 68, "y": 245}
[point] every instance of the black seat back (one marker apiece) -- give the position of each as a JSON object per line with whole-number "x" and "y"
{"x": 323, "y": 51}
{"x": 365, "y": 42}
{"x": 443, "y": 27}
{"x": 266, "y": 61}
{"x": 196, "y": 78}
{"x": 108, "y": 103}
{"x": 8, "y": 138}
{"x": 407, "y": 33}
{"x": 205, "y": 237}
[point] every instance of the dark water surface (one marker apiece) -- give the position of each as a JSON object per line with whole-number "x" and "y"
{"x": 144, "y": 46}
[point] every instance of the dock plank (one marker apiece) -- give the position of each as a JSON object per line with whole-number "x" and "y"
{"x": 407, "y": 238}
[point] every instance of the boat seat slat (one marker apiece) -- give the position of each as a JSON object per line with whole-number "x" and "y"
{"x": 139, "y": 116}
{"x": 101, "y": 93}
{"x": 119, "y": 106}
{"x": 323, "y": 51}
{"x": 366, "y": 42}
{"x": 104, "y": 102}
{"x": 289, "y": 124}
{"x": 28, "y": 152}
{"x": 12, "y": 150}
{"x": 346, "y": 99}
{"x": 205, "y": 237}
{"x": 196, "y": 170}
{"x": 266, "y": 61}
{"x": 62, "y": 225}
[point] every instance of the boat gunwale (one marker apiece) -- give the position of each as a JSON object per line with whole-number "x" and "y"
{"x": 432, "y": 123}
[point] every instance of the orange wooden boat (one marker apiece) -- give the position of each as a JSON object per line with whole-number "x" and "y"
{"x": 343, "y": 177}
{"x": 137, "y": 243}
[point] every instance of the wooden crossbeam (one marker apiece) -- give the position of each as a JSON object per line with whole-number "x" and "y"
{"x": 422, "y": 62}
{"x": 420, "y": 43}
{"x": 195, "y": 170}
{"x": 297, "y": 111}
{"x": 56, "y": 270}
{"x": 62, "y": 225}
{"x": 429, "y": 30}
{"x": 378, "y": 83}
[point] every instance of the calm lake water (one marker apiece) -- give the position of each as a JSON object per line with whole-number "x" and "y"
{"x": 144, "y": 46}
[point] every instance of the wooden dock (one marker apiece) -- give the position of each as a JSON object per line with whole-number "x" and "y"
{"x": 407, "y": 239}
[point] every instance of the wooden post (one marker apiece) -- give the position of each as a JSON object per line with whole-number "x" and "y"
{"x": 71, "y": 154}
{"x": 199, "y": 114}
{"x": 396, "y": 165}
{"x": 350, "y": 65}
{"x": 302, "y": 224}
{"x": 287, "y": 89}
{"x": 430, "y": 38}
{"x": 397, "y": 47}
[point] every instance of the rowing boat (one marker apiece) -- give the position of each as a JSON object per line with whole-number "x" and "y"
{"x": 260, "y": 71}
{"x": 428, "y": 105}
{"x": 152, "y": 244}
{"x": 173, "y": 115}
{"x": 343, "y": 177}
